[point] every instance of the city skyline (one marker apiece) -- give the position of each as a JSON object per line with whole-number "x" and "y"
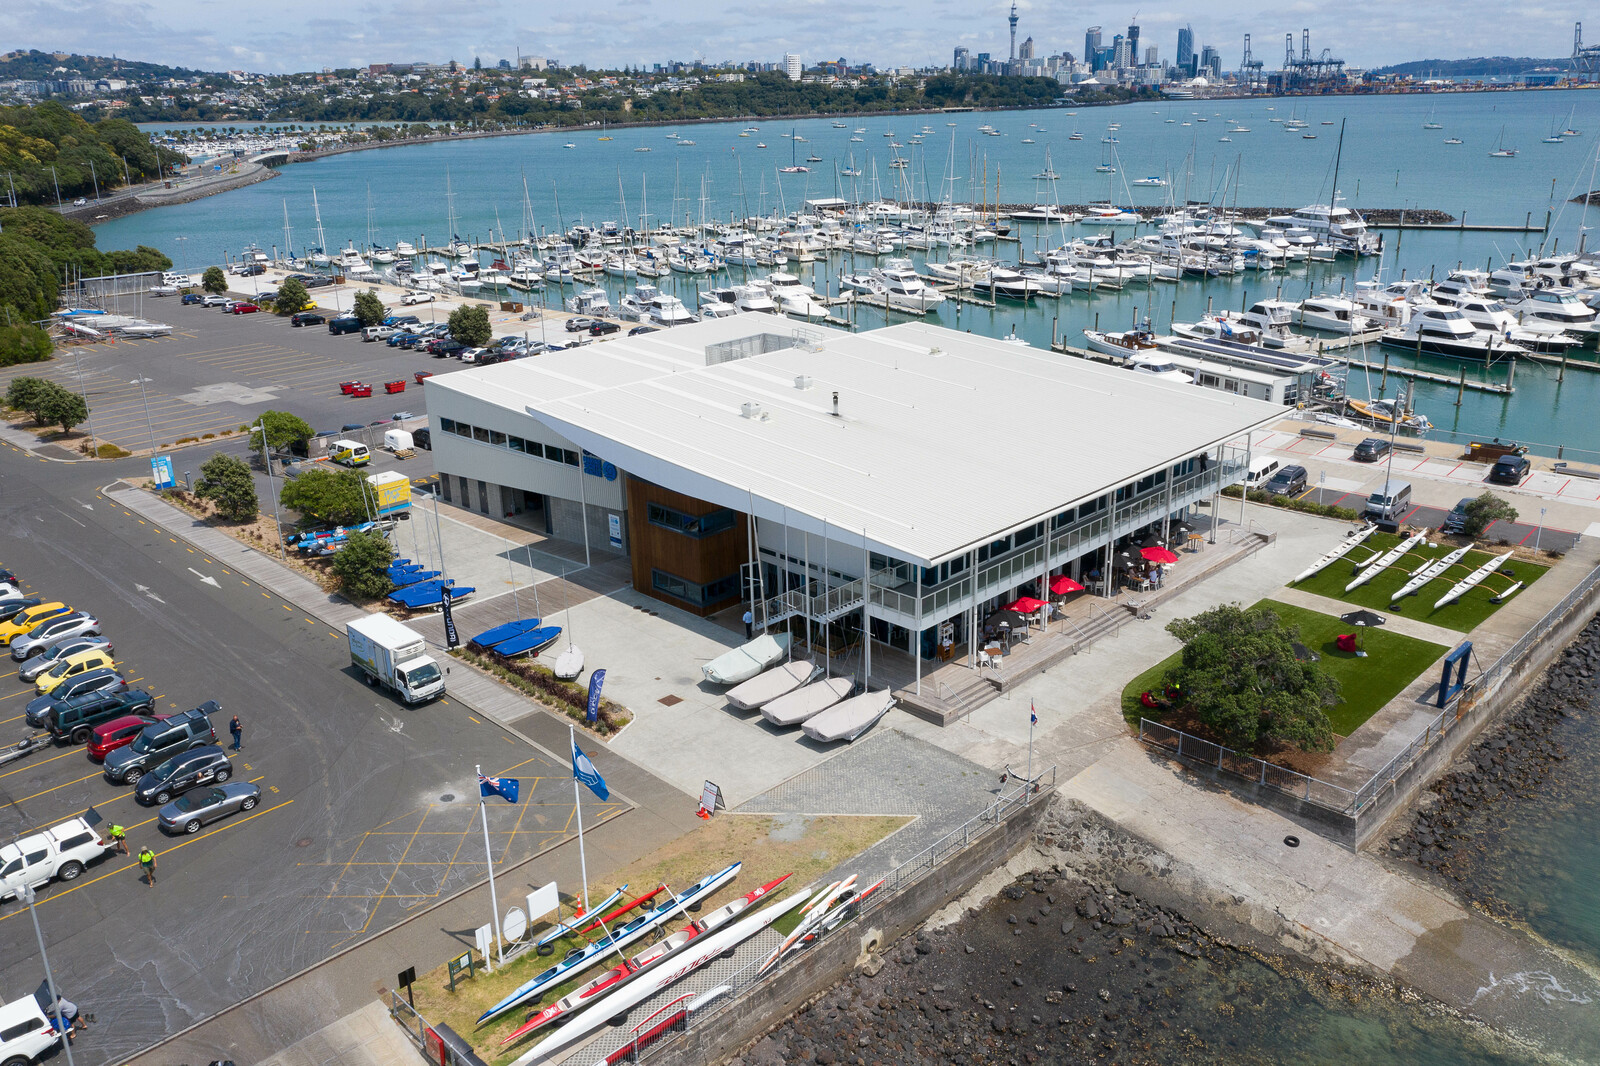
{"x": 615, "y": 33}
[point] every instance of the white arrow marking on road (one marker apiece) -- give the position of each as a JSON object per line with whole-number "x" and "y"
{"x": 145, "y": 589}
{"x": 208, "y": 580}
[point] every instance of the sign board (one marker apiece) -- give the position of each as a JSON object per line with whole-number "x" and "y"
{"x": 459, "y": 965}
{"x": 596, "y": 680}
{"x": 615, "y": 530}
{"x": 435, "y": 1050}
{"x": 515, "y": 925}
{"x": 543, "y": 900}
{"x": 711, "y": 797}
{"x": 161, "y": 471}
{"x": 483, "y": 936}
{"x": 452, "y": 639}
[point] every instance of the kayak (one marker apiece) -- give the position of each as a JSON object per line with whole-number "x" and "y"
{"x": 814, "y": 911}
{"x": 563, "y": 928}
{"x": 624, "y": 909}
{"x": 580, "y": 959}
{"x": 613, "y": 978}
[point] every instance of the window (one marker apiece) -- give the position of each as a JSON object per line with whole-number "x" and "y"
{"x": 480, "y": 435}
{"x": 690, "y": 525}
{"x": 517, "y": 444}
{"x": 77, "y": 841}
{"x": 497, "y": 438}
{"x": 14, "y": 866}
{"x": 535, "y": 449}
{"x": 447, "y": 425}
{"x": 689, "y": 592}
{"x": 17, "y": 1032}
{"x": 567, "y": 456}
{"x": 35, "y": 858}
{"x": 463, "y": 430}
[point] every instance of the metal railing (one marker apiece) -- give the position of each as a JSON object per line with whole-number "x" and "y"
{"x": 1206, "y": 753}
{"x": 901, "y": 877}
{"x": 419, "y": 1029}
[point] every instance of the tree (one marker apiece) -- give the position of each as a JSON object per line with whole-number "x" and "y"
{"x": 1239, "y": 674}
{"x": 369, "y": 308}
{"x": 27, "y": 394}
{"x": 285, "y": 432}
{"x": 292, "y": 296}
{"x": 1485, "y": 510}
{"x": 24, "y": 344}
{"x": 469, "y": 324}
{"x": 63, "y": 408}
{"x": 214, "y": 280}
{"x": 226, "y": 480}
{"x": 335, "y": 497}
{"x": 362, "y": 565}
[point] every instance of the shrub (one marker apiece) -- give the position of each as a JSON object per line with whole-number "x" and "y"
{"x": 226, "y": 481}
{"x": 536, "y": 681}
{"x": 362, "y": 565}
{"x": 111, "y": 451}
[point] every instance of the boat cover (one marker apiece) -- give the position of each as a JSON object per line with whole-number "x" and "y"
{"x": 412, "y": 577}
{"x": 848, "y": 720}
{"x": 803, "y": 703}
{"x": 530, "y": 641}
{"x": 745, "y": 662}
{"x": 490, "y": 637}
{"x": 569, "y": 664}
{"x": 428, "y": 594}
{"x": 770, "y": 684}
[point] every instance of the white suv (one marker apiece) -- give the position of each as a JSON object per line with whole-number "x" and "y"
{"x": 25, "y": 1032}
{"x": 61, "y": 851}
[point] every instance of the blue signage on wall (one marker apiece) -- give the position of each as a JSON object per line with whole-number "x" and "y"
{"x": 161, "y": 471}
{"x": 591, "y": 464}
{"x": 610, "y": 471}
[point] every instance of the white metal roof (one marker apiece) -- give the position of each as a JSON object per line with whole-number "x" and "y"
{"x": 944, "y": 439}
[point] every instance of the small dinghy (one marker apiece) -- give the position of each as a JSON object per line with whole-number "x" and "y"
{"x": 770, "y": 684}
{"x": 490, "y": 637}
{"x": 850, "y": 719}
{"x": 569, "y": 664}
{"x": 746, "y": 661}
{"x": 532, "y": 641}
{"x": 428, "y": 594}
{"x": 807, "y": 702}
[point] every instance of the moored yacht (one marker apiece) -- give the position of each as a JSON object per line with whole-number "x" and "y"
{"x": 1447, "y": 332}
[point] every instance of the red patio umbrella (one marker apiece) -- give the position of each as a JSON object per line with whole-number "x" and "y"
{"x": 1025, "y": 605}
{"x": 1158, "y": 555}
{"x": 1061, "y": 584}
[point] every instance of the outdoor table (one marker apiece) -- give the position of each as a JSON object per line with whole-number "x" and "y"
{"x": 1196, "y": 541}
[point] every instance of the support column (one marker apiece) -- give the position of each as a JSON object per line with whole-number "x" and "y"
{"x": 1216, "y": 499}
{"x": 916, "y": 644}
{"x": 583, "y": 503}
{"x": 1249, "y": 455}
{"x": 866, "y": 613}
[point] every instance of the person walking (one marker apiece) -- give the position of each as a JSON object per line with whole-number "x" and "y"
{"x": 749, "y": 625}
{"x": 238, "y": 733}
{"x": 147, "y": 859}
{"x": 119, "y": 838}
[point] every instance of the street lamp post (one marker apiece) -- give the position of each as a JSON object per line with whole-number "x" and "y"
{"x": 1538, "y": 532}
{"x": 145, "y": 398}
{"x": 27, "y": 894}
{"x": 77, "y": 365}
{"x": 272, "y": 486}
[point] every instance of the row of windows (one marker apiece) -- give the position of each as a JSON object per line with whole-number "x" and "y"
{"x": 691, "y": 593}
{"x": 553, "y": 452}
{"x": 689, "y": 525}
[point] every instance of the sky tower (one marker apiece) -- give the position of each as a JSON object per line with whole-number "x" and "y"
{"x": 1013, "y": 21}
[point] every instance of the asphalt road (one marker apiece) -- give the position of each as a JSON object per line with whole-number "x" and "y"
{"x": 367, "y": 809}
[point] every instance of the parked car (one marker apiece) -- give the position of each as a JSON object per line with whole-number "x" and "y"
{"x": 25, "y": 622}
{"x": 1371, "y": 450}
{"x": 213, "y": 299}
{"x": 107, "y": 680}
{"x": 75, "y": 719}
{"x": 639, "y": 331}
{"x": 253, "y": 270}
{"x": 1510, "y": 470}
{"x": 308, "y": 318}
{"x": 192, "y": 297}
{"x": 25, "y": 1033}
{"x": 344, "y": 324}
{"x": 398, "y": 338}
{"x": 195, "y": 808}
{"x": 417, "y": 298}
{"x": 423, "y": 438}
{"x": 1288, "y": 481}
{"x": 444, "y": 347}
{"x": 243, "y": 309}
{"x": 62, "y": 851}
{"x": 81, "y": 201}
{"x": 107, "y": 737}
{"x": 401, "y": 320}
{"x": 1456, "y": 520}
{"x": 378, "y": 333}
{"x": 159, "y": 742}
{"x": 51, "y": 630}
{"x": 74, "y": 665}
{"x": 580, "y": 325}
{"x": 470, "y": 356}
{"x": 62, "y": 649}
{"x": 600, "y": 329}
{"x": 177, "y": 775}
{"x": 10, "y": 608}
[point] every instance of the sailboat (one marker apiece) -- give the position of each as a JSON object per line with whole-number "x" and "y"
{"x": 1049, "y": 172}
{"x": 319, "y": 255}
{"x": 1501, "y": 152}
{"x": 1569, "y": 131}
{"x": 794, "y": 167}
{"x": 1430, "y": 124}
{"x": 569, "y": 664}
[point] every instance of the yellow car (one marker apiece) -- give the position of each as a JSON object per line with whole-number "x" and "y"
{"x": 73, "y": 665}
{"x": 29, "y": 620}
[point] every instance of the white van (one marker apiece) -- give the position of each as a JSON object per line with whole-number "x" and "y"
{"x": 350, "y": 453}
{"x": 1262, "y": 467}
{"x": 1392, "y": 504}
{"x": 170, "y": 278}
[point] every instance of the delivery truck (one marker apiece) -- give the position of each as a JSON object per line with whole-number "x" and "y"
{"x": 389, "y": 654}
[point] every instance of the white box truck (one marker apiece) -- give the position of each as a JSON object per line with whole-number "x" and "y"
{"x": 389, "y": 654}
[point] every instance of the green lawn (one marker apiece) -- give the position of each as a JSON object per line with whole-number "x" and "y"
{"x": 1393, "y": 661}
{"x": 1463, "y": 615}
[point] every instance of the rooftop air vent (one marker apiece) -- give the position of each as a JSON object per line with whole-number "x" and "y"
{"x": 803, "y": 382}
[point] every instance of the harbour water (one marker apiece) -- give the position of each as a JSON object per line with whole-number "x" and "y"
{"x": 1387, "y": 160}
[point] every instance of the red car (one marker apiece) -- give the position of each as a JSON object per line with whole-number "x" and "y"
{"x": 244, "y": 309}
{"x": 109, "y": 736}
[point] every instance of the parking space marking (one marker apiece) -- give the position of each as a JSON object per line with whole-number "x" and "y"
{"x": 42, "y": 762}
{"x": 57, "y": 788}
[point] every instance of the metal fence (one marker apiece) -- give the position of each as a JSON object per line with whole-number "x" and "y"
{"x": 1459, "y": 710}
{"x": 901, "y": 877}
{"x": 437, "y": 1043}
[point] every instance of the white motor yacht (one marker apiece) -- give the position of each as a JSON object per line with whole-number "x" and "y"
{"x": 405, "y": 248}
{"x": 1003, "y": 281}
{"x": 1446, "y": 331}
{"x": 1158, "y": 366}
{"x": 754, "y": 297}
{"x": 794, "y": 297}
{"x": 1553, "y": 306}
{"x": 589, "y": 302}
{"x": 904, "y": 289}
{"x": 668, "y": 310}
{"x": 1331, "y": 314}
{"x": 634, "y": 306}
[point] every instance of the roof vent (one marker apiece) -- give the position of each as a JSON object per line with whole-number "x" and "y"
{"x": 803, "y": 382}
{"x": 836, "y": 405}
{"x": 751, "y": 409}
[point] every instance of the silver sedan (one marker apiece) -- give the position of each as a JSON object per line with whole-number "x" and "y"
{"x": 195, "y": 808}
{"x": 56, "y": 652}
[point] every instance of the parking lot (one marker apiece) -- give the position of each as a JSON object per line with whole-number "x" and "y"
{"x": 368, "y": 808}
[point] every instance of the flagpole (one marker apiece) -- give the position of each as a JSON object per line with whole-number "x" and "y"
{"x": 494, "y": 902}
{"x": 1033, "y": 719}
{"x": 577, "y": 802}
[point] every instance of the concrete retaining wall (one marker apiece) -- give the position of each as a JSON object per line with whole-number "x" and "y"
{"x": 833, "y": 958}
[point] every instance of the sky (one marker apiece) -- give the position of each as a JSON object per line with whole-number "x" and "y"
{"x": 300, "y": 35}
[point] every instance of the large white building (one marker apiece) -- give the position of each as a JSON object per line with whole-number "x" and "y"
{"x": 792, "y": 66}
{"x": 893, "y": 480}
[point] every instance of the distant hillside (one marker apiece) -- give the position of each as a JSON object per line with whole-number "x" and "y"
{"x": 33, "y": 65}
{"x": 1481, "y": 67}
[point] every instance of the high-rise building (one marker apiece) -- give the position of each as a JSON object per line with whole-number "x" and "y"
{"x": 1151, "y": 56}
{"x": 1119, "y": 52}
{"x": 1186, "y": 47}
{"x": 791, "y": 66}
{"x": 1026, "y": 51}
{"x": 962, "y": 58}
{"x": 1012, "y": 18}
{"x": 1091, "y": 45}
{"x": 1211, "y": 60}
{"x": 1133, "y": 44}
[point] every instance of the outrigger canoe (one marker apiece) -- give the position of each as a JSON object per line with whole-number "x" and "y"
{"x": 1377, "y": 566}
{"x": 564, "y": 928}
{"x": 1429, "y": 572}
{"x": 1336, "y": 554}
{"x": 1471, "y": 580}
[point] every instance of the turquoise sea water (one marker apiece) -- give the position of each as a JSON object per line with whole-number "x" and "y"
{"x": 1387, "y": 160}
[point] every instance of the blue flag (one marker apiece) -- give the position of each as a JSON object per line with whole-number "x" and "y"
{"x": 596, "y": 679}
{"x": 584, "y": 771}
{"x": 504, "y": 787}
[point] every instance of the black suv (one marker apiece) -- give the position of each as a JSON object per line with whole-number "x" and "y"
{"x": 1510, "y": 470}
{"x": 179, "y": 733}
{"x": 1371, "y": 450}
{"x": 344, "y": 324}
{"x": 1288, "y": 481}
{"x": 308, "y": 318}
{"x": 202, "y": 766}
{"x": 74, "y": 718}
{"x": 423, "y": 438}
{"x": 600, "y": 329}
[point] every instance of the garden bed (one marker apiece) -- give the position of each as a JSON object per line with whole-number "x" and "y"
{"x": 564, "y": 697}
